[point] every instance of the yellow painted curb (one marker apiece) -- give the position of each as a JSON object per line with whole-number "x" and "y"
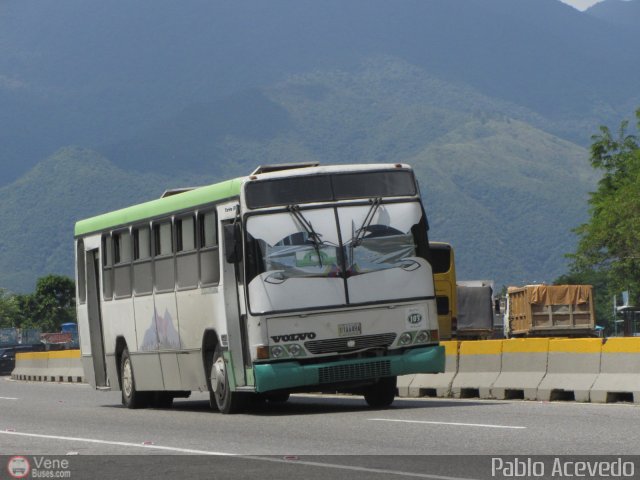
{"x": 622, "y": 345}
{"x": 526, "y": 345}
{"x": 481, "y": 347}
{"x": 450, "y": 347}
{"x": 576, "y": 345}
{"x": 47, "y": 355}
{"x": 32, "y": 356}
{"x": 64, "y": 354}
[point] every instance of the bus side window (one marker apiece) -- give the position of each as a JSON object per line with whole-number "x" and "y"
{"x": 208, "y": 247}
{"x": 164, "y": 266}
{"x": 81, "y": 273}
{"x": 186, "y": 253}
{"x": 107, "y": 267}
{"x": 122, "y": 264}
{"x": 142, "y": 266}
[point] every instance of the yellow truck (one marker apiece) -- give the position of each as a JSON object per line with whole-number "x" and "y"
{"x": 444, "y": 278}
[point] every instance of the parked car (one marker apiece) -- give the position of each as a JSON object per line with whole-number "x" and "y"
{"x": 8, "y": 356}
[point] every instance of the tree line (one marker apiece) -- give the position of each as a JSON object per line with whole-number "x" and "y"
{"x": 608, "y": 251}
{"x": 51, "y": 304}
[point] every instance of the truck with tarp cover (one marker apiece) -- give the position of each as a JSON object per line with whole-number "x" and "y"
{"x": 475, "y": 312}
{"x": 550, "y": 310}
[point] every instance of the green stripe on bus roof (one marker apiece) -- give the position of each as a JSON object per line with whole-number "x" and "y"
{"x": 162, "y": 206}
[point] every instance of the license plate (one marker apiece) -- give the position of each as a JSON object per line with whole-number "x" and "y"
{"x": 347, "y": 329}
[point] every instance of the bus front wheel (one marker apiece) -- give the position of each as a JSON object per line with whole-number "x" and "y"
{"x": 131, "y": 398}
{"x": 220, "y": 394}
{"x": 382, "y": 393}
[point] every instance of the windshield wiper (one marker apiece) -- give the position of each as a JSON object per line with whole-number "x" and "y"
{"x": 359, "y": 234}
{"x": 294, "y": 210}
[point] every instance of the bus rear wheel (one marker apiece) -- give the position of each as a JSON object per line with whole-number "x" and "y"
{"x": 131, "y": 398}
{"x": 382, "y": 393}
{"x": 220, "y": 394}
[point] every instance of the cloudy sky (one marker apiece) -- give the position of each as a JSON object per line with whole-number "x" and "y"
{"x": 581, "y": 4}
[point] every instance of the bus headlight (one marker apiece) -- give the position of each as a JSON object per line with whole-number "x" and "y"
{"x": 277, "y": 351}
{"x": 405, "y": 339}
{"x": 422, "y": 337}
{"x": 295, "y": 350}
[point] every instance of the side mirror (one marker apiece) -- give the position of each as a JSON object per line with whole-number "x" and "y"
{"x": 233, "y": 242}
{"x": 496, "y": 305}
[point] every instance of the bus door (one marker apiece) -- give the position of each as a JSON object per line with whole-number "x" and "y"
{"x": 95, "y": 317}
{"x": 232, "y": 285}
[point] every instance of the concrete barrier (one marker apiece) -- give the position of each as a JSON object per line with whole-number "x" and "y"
{"x": 76, "y": 369}
{"x": 479, "y": 365}
{"x": 54, "y": 366}
{"x": 573, "y": 367}
{"x": 524, "y": 365}
{"x": 403, "y": 385}
{"x": 32, "y": 365}
{"x": 576, "y": 369}
{"x": 619, "y": 377}
{"x": 439, "y": 384}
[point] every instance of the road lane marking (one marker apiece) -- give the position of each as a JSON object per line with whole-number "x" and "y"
{"x": 286, "y": 460}
{"x": 8, "y": 398}
{"x": 456, "y": 424}
{"x": 119, "y": 444}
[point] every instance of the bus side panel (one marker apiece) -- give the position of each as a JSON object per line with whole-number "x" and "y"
{"x": 118, "y": 321}
{"x": 192, "y": 374}
{"x": 85, "y": 344}
{"x": 144, "y": 358}
{"x": 198, "y": 311}
{"x": 167, "y": 326}
{"x": 91, "y": 297}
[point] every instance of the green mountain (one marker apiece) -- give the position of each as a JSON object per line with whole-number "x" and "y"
{"x": 95, "y": 73}
{"x": 40, "y": 209}
{"x": 505, "y": 193}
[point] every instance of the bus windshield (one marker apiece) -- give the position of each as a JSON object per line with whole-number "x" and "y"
{"x": 333, "y": 256}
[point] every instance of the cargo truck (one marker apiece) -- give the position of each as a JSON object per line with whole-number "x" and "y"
{"x": 550, "y": 310}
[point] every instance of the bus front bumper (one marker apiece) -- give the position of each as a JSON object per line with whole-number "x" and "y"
{"x": 279, "y": 376}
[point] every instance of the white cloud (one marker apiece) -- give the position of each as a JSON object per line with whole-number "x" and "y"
{"x": 581, "y": 4}
{"x": 10, "y": 83}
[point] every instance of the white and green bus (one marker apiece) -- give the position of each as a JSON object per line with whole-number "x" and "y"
{"x": 295, "y": 278}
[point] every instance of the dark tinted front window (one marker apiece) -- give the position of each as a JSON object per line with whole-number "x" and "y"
{"x": 440, "y": 259}
{"x": 326, "y": 188}
{"x": 442, "y": 304}
{"x": 394, "y": 183}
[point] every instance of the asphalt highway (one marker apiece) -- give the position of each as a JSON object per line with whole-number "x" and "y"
{"x": 309, "y": 432}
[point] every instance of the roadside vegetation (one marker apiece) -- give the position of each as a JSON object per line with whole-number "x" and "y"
{"x": 608, "y": 251}
{"x": 47, "y": 308}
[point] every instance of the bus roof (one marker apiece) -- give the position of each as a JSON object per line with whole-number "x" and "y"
{"x": 196, "y": 197}
{"x": 162, "y": 206}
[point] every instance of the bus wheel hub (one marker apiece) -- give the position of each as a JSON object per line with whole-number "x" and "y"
{"x": 218, "y": 376}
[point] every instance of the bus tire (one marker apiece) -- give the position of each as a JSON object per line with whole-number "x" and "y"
{"x": 382, "y": 393}
{"x": 131, "y": 398}
{"x": 220, "y": 394}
